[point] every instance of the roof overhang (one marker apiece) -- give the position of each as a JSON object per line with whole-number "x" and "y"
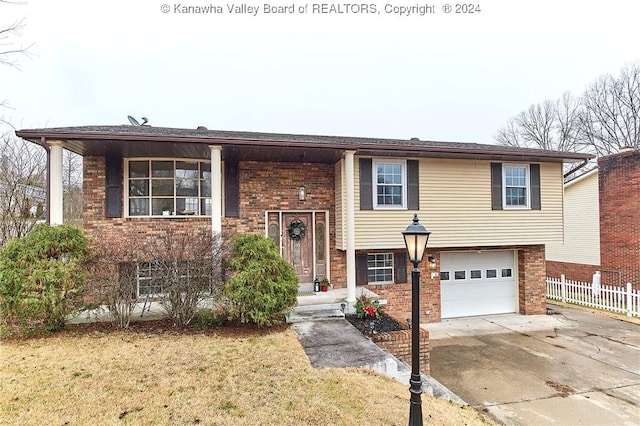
{"x": 132, "y": 141}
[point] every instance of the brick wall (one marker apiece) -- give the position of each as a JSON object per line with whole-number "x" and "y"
{"x": 399, "y": 295}
{"x": 572, "y": 271}
{"x": 264, "y": 186}
{"x": 532, "y": 271}
{"x": 399, "y": 344}
{"x": 274, "y": 186}
{"x": 619, "y": 187}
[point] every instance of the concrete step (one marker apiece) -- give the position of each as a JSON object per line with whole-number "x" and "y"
{"x": 315, "y": 312}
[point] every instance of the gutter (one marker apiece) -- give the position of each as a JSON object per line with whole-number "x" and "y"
{"x": 575, "y": 169}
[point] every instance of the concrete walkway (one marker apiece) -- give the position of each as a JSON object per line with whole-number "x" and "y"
{"x": 335, "y": 343}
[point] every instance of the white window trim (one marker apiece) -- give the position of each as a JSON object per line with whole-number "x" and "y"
{"x": 393, "y": 269}
{"x": 126, "y": 178}
{"x": 374, "y": 171}
{"x": 504, "y": 187}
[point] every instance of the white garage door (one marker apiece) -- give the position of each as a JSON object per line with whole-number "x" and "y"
{"x": 478, "y": 283}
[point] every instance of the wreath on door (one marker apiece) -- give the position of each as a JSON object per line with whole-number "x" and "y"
{"x": 297, "y": 230}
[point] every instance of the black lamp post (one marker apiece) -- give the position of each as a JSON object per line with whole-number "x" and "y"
{"x": 415, "y": 238}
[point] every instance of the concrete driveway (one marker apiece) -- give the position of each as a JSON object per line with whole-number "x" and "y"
{"x": 573, "y": 367}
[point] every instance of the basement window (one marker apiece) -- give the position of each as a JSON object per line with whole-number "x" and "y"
{"x": 380, "y": 268}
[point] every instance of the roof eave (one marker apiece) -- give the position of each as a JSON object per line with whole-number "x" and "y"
{"x": 36, "y": 136}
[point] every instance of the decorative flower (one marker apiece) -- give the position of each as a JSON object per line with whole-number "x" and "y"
{"x": 366, "y": 309}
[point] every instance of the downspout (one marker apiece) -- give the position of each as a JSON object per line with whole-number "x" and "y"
{"x": 43, "y": 142}
{"x": 575, "y": 169}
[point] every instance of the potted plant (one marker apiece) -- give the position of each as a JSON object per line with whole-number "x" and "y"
{"x": 324, "y": 284}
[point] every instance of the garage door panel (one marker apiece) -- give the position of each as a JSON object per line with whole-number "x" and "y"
{"x": 486, "y": 306}
{"x": 478, "y": 296}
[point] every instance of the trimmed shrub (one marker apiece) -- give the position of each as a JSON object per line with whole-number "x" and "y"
{"x": 41, "y": 278}
{"x": 263, "y": 286}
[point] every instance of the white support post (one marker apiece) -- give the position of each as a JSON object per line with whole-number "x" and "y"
{"x": 350, "y": 225}
{"x": 56, "y": 190}
{"x": 216, "y": 190}
{"x": 563, "y": 288}
{"x": 629, "y": 299}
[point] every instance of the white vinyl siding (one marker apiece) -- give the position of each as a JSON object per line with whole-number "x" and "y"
{"x": 581, "y": 224}
{"x": 455, "y": 201}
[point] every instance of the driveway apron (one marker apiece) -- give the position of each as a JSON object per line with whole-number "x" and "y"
{"x": 571, "y": 367}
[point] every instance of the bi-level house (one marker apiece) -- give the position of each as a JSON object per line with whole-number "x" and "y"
{"x": 490, "y": 209}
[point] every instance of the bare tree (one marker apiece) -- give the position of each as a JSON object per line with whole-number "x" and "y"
{"x": 10, "y": 48}
{"x": 72, "y": 187}
{"x": 22, "y": 180}
{"x": 113, "y": 274}
{"x": 189, "y": 263}
{"x": 550, "y": 125}
{"x": 603, "y": 120}
{"x": 610, "y": 116}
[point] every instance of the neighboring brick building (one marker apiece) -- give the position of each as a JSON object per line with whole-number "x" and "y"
{"x": 490, "y": 209}
{"x": 602, "y": 223}
{"x": 619, "y": 187}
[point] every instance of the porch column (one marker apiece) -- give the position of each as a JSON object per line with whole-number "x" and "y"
{"x": 350, "y": 191}
{"x": 56, "y": 190}
{"x": 216, "y": 189}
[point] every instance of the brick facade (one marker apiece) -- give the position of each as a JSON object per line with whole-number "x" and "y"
{"x": 531, "y": 285}
{"x": 398, "y": 295}
{"x": 619, "y": 187}
{"x": 263, "y": 186}
{"x": 572, "y": 271}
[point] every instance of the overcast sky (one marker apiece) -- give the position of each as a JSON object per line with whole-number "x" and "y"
{"x": 440, "y": 76}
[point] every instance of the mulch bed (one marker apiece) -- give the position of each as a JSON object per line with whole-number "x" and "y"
{"x": 160, "y": 327}
{"x": 383, "y": 323}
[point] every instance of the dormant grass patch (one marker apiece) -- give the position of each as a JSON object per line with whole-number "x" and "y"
{"x": 167, "y": 378}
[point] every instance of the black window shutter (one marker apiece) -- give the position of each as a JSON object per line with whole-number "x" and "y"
{"x": 534, "y": 172}
{"x": 231, "y": 188}
{"x": 496, "y": 186}
{"x": 413, "y": 185}
{"x": 400, "y": 263}
{"x": 362, "y": 270}
{"x": 366, "y": 184}
{"x": 113, "y": 192}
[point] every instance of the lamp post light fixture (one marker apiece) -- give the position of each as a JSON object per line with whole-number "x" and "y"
{"x": 302, "y": 193}
{"x": 415, "y": 239}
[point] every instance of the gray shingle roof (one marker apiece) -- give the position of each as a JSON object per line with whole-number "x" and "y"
{"x": 362, "y": 144}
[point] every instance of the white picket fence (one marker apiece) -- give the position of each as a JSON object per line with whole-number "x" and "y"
{"x": 607, "y": 297}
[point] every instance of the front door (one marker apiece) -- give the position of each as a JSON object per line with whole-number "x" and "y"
{"x": 298, "y": 244}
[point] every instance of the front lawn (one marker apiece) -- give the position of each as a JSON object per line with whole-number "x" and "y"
{"x": 225, "y": 376}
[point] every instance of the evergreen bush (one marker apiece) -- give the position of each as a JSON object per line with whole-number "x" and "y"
{"x": 41, "y": 278}
{"x": 263, "y": 286}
